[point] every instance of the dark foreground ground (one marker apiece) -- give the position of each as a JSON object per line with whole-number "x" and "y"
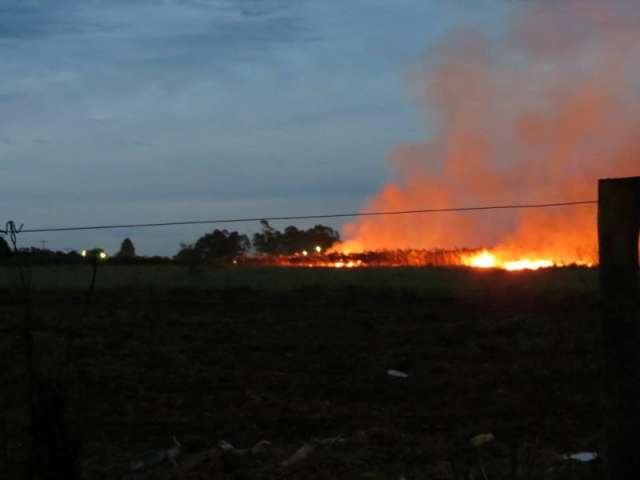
{"x": 308, "y": 365}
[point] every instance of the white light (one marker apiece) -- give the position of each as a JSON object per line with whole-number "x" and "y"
{"x": 83, "y": 253}
{"x": 305, "y": 253}
{"x": 103, "y": 255}
{"x": 318, "y": 248}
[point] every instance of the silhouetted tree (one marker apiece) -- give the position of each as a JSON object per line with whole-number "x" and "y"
{"x": 217, "y": 245}
{"x": 221, "y": 244}
{"x": 272, "y": 241}
{"x": 5, "y": 249}
{"x": 269, "y": 240}
{"x": 322, "y": 235}
{"x": 187, "y": 253}
{"x": 127, "y": 250}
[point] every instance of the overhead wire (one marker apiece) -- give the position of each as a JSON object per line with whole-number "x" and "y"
{"x": 8, "y": 230}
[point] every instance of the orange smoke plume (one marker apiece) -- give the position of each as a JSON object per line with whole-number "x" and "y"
{"x": 536, "y": 116}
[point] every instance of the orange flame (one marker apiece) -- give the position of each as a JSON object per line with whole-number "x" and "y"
{"x": 482, "y": 260}
{"x": 486, "y": 259}
{"x": 401, "y": 258}
{"x": 538, "y": 117}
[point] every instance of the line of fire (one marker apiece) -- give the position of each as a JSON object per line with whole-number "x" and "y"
{"x": 481, "y": 258}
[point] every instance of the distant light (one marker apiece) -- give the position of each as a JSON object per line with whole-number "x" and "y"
{"x": 235, "y": 262}
{"x": 305, "y": 253}
{"x": 103, "y": 255}
{"x": 83, "y": 253}
{"x": 318, "y": 248}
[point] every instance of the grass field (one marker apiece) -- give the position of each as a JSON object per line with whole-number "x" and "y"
{"x": 297, "y": 356}
{"x": 457, "y": 282}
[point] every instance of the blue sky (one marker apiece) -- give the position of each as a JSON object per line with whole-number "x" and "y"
{"x": 119, "y": 111}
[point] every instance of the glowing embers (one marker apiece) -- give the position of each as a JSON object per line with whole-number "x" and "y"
{"x": 347, "y": 264}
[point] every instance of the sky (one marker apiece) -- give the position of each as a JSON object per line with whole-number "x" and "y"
{"x": 136, "y": 111}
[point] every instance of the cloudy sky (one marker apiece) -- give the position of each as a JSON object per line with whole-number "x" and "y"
{"x": 126, "y": 111}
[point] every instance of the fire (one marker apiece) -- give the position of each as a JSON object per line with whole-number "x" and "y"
{"x": 536, "y": 115}
{"x": 527, "y": 264}
{"x": 486, "y": 259}
{"x": 483, "y": 260}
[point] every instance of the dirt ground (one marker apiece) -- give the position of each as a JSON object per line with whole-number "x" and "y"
{"x": 309, "y": 368}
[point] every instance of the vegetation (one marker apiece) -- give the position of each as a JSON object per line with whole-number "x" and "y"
{"x": 216, "y": 247}
{"x": 127, "y": 250}
{"x": 461, "y": 283}
{"x": 219, "y": 245}
{"x": 271, "y": 241}
{"x": 41, "y": 256}
{"x": 5, "y": 250}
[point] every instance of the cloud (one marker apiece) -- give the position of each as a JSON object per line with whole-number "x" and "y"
{"x": 261, "y": 105}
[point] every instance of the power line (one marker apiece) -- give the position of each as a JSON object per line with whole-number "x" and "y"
{"x": 303, "y": 217}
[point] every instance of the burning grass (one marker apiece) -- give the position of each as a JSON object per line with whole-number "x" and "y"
{"x": 473, "y": 258}
{"x": 533, "y": 114}
{"x": 380, "y": 258}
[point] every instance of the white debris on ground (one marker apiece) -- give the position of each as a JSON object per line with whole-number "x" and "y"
{"x": 299, "y": 455}
{"x": 397, "y": 373}
{"x": 583, "y": 457}
{"x": 482, "y": 439}
{"x": 172, "y": 463}
{"x": 154, "y": 458}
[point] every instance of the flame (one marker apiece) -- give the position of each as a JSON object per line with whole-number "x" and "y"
{"x": 527, "y": 264}
{"x": 486, "y": 259}
{"x": 483, "y": 260}
{"x": 536, "y": 115}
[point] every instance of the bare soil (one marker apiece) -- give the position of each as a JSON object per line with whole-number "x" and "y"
{"x": 310, "y": 366}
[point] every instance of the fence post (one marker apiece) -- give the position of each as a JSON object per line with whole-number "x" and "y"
{"x": 618, "y": 224}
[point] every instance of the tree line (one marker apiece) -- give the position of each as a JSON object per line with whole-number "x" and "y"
{"x": 216, "y": 246}
{"x": 223, "y": 244}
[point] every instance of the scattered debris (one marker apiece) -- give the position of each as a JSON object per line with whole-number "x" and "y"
{"x": 301, "y": 454}
{"x": 153, "y": 458}
{"x": 330, "y": 442}
{"x": 397, "y": 374}
{"x": 174, "y": 452}
{"x": 227, "y": 447}
{"x": 482, "y": 439}
{"x": 261, "y": 447}
{"x": 149, "y": 459}
{"x": 583, "y": 457}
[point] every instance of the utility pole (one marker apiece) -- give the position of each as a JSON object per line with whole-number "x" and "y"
{"x": 618, "y": 225}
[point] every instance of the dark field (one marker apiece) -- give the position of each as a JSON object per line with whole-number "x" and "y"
{"x": 299, "y": 356}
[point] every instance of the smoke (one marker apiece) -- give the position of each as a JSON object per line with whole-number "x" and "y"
{"x": 534, "y": 116}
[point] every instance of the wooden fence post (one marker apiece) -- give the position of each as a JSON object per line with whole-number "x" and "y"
{"x": 618, "y": 224}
